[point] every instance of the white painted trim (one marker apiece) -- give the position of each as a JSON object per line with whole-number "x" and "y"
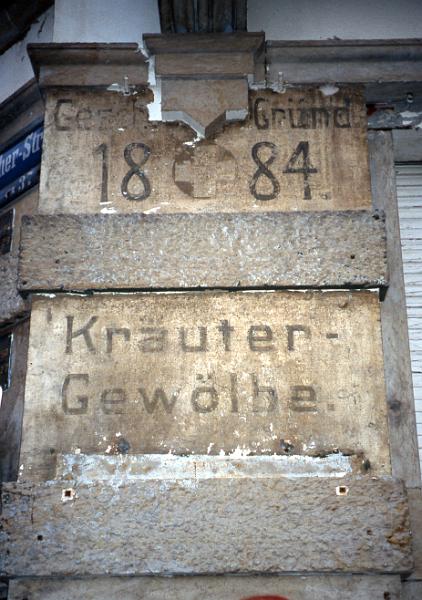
{"x": 409, "y": 198}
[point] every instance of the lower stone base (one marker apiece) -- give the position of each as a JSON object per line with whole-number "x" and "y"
{"x": 196, "y": 526}
{"x": 326, "y": 587}
{"x": 412, "y": 590}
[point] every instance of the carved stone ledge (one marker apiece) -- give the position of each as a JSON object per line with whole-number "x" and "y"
{"x": 89, "y": 65}
{"x": 198, "y": 55}
{"x": 204, "y": 105}
{"x": 204, "y": 78}
{"x": 343, "y": 61}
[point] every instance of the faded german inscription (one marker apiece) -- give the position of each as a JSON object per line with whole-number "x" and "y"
{"x": 205, "y": 373}
{"x": 299, "y": 150}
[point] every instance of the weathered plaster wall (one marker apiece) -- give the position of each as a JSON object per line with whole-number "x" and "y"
{"x": 328, "y": 19}
{"x": 105, "y": 20}
{"x": 15, "y": 67}
{"x": 127, "y": 20}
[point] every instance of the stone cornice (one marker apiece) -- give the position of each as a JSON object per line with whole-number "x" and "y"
{"x": 88, "y": 65}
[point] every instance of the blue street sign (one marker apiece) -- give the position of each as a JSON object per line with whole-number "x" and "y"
{"x": 21, "y": 157}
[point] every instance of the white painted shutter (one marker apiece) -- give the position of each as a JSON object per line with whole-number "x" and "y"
{"x": 409, "y": 194}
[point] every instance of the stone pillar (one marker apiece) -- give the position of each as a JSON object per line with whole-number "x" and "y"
{"x": 205, "y": 392}
{"x": 20, "y": 141}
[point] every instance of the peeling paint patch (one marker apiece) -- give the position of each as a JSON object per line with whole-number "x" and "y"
{"x": 236, "y": 115}
{"x": 240, "y": 452}
{"x": 280, "y": 85}
{"x": 142, "y": 49}
{"x": 329, "y": 89}
{"x": 407, "y": 114}
{"x": 154, "y": 83}
{"x": 193, "y": 142}
{"x": 119, "y": 469}
{"x": 411, "y": 118}
{"x": 125, "y": 88}
{"x": 256, "y": 85}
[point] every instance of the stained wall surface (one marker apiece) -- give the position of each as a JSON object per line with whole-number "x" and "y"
{"x": 102, "y": 154}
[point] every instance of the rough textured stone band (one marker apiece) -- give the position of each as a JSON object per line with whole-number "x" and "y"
{"x": 206, "y": 526}
{"x": 127, "y": 252}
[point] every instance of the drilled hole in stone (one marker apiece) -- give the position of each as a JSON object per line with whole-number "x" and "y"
{"x": 40, "y": 538}
{"x": 342, "y": 490}
{"x": 68, "y": 494}
{"x": 286, "y": 446}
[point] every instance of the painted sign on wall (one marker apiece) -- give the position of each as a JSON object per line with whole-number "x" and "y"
{"x": 260, "y": 373}
{"x": 295, "y": 151}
